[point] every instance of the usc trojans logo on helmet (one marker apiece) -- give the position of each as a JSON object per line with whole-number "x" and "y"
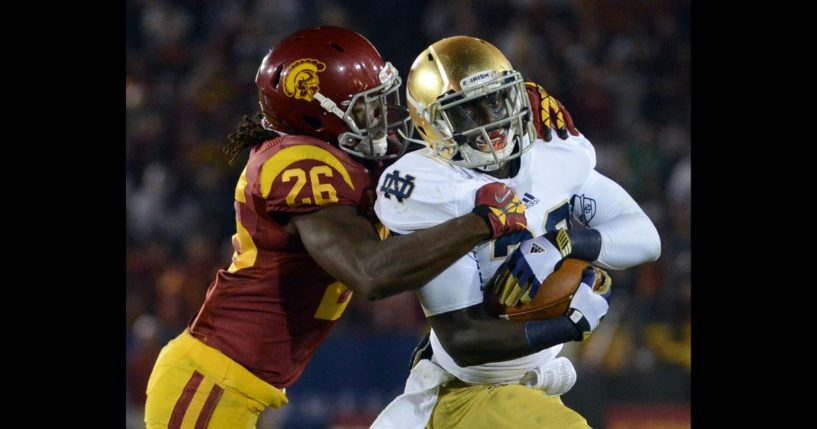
{"x": 302, "y": 78}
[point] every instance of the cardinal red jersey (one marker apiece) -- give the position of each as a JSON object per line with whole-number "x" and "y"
{"x": 271, "y": 308}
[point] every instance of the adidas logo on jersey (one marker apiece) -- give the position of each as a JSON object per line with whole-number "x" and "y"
{"x": 535, "y": 248}
{"x": 529, "y": 200}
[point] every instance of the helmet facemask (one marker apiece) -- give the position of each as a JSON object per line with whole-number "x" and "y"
{"x": 375, "y": 119}
{"x": 482, "y": 125}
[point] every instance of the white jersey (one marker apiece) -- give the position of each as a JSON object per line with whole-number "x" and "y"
{"x": 555, "y": 179}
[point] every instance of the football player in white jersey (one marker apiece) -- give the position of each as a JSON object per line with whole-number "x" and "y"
{"x": 472, "y": 110}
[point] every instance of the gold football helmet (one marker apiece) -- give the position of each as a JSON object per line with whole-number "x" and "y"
{"x": 469, "y": 104}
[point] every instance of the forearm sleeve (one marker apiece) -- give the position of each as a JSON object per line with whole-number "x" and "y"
{"x": 542, "y": 334}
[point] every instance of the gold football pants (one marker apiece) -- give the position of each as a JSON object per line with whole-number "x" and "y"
{"x": 195, "y": 386}
{"x": 462, "y": 405}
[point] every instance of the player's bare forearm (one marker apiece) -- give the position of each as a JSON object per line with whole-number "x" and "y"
{"x": 348, "y": 248}
{"x": 471, "y": 337}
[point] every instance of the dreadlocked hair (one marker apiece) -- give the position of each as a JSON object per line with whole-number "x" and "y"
{"x": 250, "y": 133}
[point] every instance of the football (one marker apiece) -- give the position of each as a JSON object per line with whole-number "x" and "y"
{"x": 553, "y": 297}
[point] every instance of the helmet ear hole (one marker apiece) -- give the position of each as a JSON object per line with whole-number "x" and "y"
{"x": 276, "y": 77}
{"x": 314, "y": 123}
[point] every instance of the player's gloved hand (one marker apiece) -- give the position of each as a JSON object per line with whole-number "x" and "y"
{"x": 548, "y": 113}
{"x": 591, "y": 301}
{"x": 518, "y": 279}
{"x": 500, "y": 208}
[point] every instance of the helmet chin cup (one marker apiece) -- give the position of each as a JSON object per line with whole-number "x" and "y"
{"x": 380, "y": 146}
{"x": 493, "y": 160}
{"x": 365, "y": 147}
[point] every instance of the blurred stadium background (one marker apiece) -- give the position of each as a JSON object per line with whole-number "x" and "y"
{"x": 622, "y": 68}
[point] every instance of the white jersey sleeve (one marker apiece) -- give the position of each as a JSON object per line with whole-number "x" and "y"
{"x": 418, "y": 192}
{"x": 628, "y": 236}
{"x": 582, "y": 142}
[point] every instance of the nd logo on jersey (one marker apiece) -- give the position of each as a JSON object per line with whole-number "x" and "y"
{"x": 400, "y": 187}
{"x": 302, "y": 78}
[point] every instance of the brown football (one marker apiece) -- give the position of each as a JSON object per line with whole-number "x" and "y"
{"x": 551, "y": 300}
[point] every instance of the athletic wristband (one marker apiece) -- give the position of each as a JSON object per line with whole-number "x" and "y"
{"x": 582, "y": 244}
{"x": 542, "y": 334}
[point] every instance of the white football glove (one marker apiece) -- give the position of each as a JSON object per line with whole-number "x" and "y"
{"x": 588, "y": 307}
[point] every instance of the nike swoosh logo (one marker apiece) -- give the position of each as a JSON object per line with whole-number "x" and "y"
{"x": 501, "y": 200}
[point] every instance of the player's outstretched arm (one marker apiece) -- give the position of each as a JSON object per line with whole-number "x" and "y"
{"x": 348, "y": 248}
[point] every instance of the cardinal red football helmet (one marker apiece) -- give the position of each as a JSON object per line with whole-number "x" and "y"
{"x": 331, "y": 83}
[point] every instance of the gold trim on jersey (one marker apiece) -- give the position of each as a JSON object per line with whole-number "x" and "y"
{"x": 285, "y": 157}
{"x": 335, "y": 299}
{"x": 383, "y": 231}
{"x": 562, "y": 224}
{"x": 248, "y": 250}
{"x": 239, "y": 188}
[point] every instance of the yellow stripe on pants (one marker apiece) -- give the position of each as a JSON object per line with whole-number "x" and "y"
{"x": 238, "y": 406}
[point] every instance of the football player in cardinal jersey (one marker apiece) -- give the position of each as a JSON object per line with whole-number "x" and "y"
{"x": 305, "y": 232}
{"x": 470, "y": 106}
